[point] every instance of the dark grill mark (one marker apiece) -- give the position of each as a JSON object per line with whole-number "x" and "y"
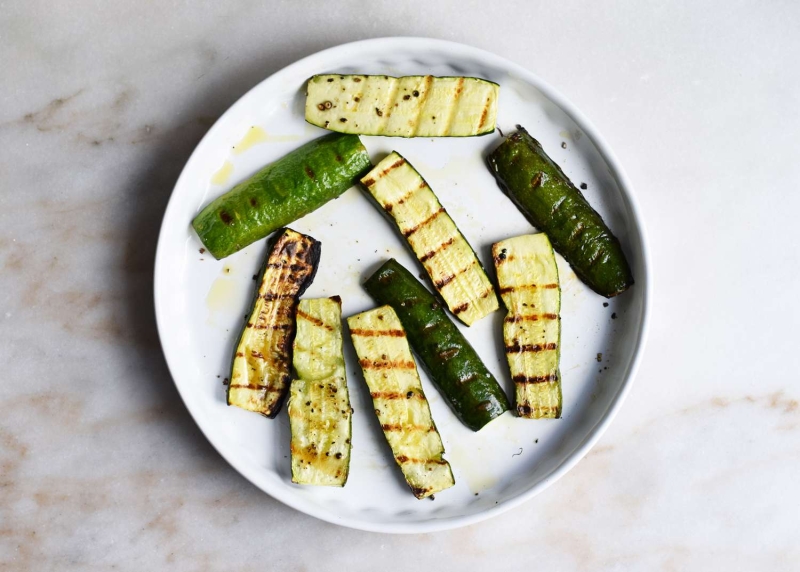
{"x": 399, "y": 163}
{"x": 292, "y": 267}
{"x": 309, "y": 172}
{"x": 356, "y": 79}
{"x": 536, "y": 180}
{"x": 368, "y": 182}
{"x": 396, "y": 395}
{"x": 239, "y": 354}
{"x": 524, "y": 410}
{"x": 285, "y": 327}
{"x": 517, "y": 348}
{"x": 399, "y": 427}
{"x": 379, "y": 364}
{"x": 272, "y": 296}
{"x": 435, "y": 251}
{"x": 530, "y": 318}
{"x": 405, "y": 459}
{"x": 446, "y": 280}
{"x": 373, "y": 333}
{"x": 461, "y": 308}
{"x": 414, "y": 229}
{"x": 257, "y": 354}
{"x": 532, "y": 379}
{"x": 253, "y": 202}
{"x": 313, "y": 319}
{"x": 225, "y": 217}
{"x": 485, "y": 112}
{"x": 508, "y": 289}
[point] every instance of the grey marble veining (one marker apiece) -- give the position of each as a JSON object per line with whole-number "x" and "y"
{"x": 101, "y": 466}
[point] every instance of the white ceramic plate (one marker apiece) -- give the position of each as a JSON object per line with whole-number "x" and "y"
{"x": 200, "y": 302}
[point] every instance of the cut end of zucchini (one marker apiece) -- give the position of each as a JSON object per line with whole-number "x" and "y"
{"x": 319, "y": 404}
{"x": 399, "y": 401}
{"x": 261, "y": 369}
{"x": 528, "y": 278}
{"x": 410, "y": 106}
{"x": 449, "y": 260}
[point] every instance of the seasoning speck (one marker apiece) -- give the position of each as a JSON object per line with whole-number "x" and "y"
{"x": 614, "y": 316}
{"x": 563, "y": 144}
{"x": 599, "y": 358}
{"x": 605, "y": 304}
{"x": 584, "y": 186}
{"x": 202, "y": 250}
{"x": 225, "y": 381}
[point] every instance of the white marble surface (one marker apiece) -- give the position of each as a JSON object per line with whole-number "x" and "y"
{"x": 101, "y": 467}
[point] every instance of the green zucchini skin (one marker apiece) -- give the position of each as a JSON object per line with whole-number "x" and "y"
{"x": 550, "y": 201}
{"x": 455, "y": 367}
{"x": 281, "y": 193}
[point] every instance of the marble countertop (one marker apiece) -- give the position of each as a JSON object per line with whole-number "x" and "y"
{"x": 101, "y": 466}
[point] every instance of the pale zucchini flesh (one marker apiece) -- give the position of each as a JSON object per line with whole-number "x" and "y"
{"x": 527, "y": 275}
{"x": 447, "y": 257}
{"x": 319, "y": 404}
{"x": 262, "y": 363}
{"x": 400, "y": 403}
{"x": 409, "y": 106}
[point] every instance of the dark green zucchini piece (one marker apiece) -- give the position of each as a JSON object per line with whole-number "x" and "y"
{"x": 262, "y": 364}
{"x": 550, "y": 201}
{"x": 281, "y": 193}
{"x": 454, "y": 366}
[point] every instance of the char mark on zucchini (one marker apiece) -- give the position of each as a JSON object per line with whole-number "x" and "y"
{"x": 399, "y": 402}
{"x": 526, "y": 270}
{"x": 263, "y": 355}
{"x": 448, "y": 259}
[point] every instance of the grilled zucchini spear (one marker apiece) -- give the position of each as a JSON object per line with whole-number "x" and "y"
{"x": 281, "y": 193}
{"x": 528, "y": 278}
{"x": 552, "y": 204}
{"x": 447, "y": 257}
{"x": 410, "y": 106}
{"x": 261, "y": 369}
{"x": 454, "y": 366}
{"x": 319, "y": 405}
{"x": 400, "y": 403}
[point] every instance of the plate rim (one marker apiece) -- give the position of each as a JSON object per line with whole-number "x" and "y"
{"x": 642, "y": 282}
